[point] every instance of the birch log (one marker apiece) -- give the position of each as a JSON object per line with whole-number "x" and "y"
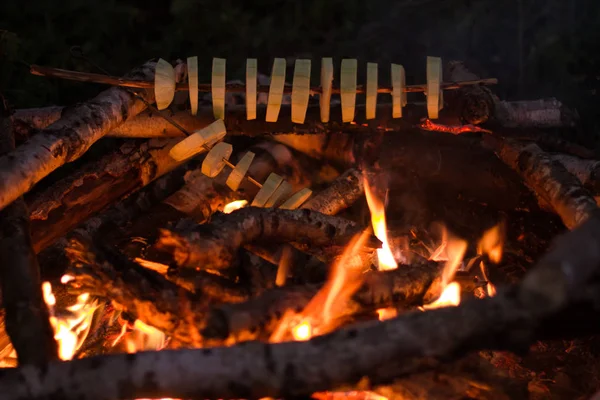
{"x": 344, "y": 191}
{"x": 363, "y": 356}
{"x": 26, "y": 315}
{"x": 214, "y": 246}
{"x": 69, "y": 202}
{"x": 69, "y": 137}
{"x": 550, "y": 181}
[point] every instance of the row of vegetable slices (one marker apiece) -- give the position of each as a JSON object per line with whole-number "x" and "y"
{"x": 273, "y": 191}
{"x": 164, "y": 87}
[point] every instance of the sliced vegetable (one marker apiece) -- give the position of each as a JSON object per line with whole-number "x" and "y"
{"x": 164, "y": 84}
{"x": 192, "y": 65}
{"x": 218, "y": 87}
{"x": 214, "y": 161}
{"x": 297, "y": 199}
{"x": 267, "y": 190}
{"x": 435, "y": 99}
{"x": 326, "y": 83}
{"x": 199, "y": 141}
{"x": 348, "y": 88}
{"x": 251, "y": 77}
{"x": 398, "y": 93}
{"x": 276, "y": 90}
{"x": 237, "y": 175}
{"x": 371, "y": 101}
{"x": 282, "y": 192}
{"x": 300, "y": 90}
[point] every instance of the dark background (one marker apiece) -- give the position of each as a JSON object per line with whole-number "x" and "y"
{"x": 536, "y": 48}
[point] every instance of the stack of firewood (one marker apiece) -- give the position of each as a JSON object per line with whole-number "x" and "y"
{"x": 148, "y": 233}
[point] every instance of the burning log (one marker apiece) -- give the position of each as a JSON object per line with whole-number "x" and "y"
{"x": 70, "y": 136}
{"x": 144, "y": 293}
{"x": 66, "y": 204}
{"x": 550, "y": 181}
{"x": 258, "y": 317}
{"x": 26, "y": 315}
{"x": 214, "y": 246}
{"x": 366, "y": 355}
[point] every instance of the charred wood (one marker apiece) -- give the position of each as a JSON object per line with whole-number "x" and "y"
{"x": 215, "y": 245}
{"x": 69, "y": 202}
{"x": 373, "y": 353}
{"x": 258, "y": 317}
{"x": 26, "y": 314}
{"x": 69, "y": 137}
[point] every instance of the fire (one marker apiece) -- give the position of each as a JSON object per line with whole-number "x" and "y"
{"x": 385, "y": 256}
{"x": 452, "y": 251}
{"x": 302, "y": 331}
{"x": 492, "y": 243}
{"x": 387, "y": 313}
{"x": 234, "y": 205}
{"x": 70, "y": 330}
{"x": 321, "y": 314}
{"x": 450, "y": 297}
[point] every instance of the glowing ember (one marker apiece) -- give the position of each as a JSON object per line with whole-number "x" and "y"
{"x": 387, "y": 313}
{"x": 302, "y": 331}
{"x": 234, "y": 205}
{"x": 70, "y": 329}
{"x": 450, "y": 297}
{"x": 384, "y": 254}
{"x": 155, "y": 266}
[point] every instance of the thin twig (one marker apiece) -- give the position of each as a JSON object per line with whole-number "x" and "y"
{"x": 230, "y": 87}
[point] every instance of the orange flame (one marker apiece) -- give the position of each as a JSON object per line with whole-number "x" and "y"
{"x": 452, "y": 250}
{"x": 70, "y": 330}
{"x": 492, "y": 243}
{"x": 321, "y": 314}
{"x": 376, "y": 206}
{"x": 387, "y": 313}
{"x": 234, "y": 205}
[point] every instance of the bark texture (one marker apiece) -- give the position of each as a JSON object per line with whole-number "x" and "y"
{"x": 344, "y": 191}
{"x": 258, "y": 317}
{"x": 26, "y": 315}
{"x": 214, "y": 246}
{"x": 69, "y": 202}
{"x": 550, "y": 181}
{"x": 374, "y": 353}
{"x": 69, "y": 137}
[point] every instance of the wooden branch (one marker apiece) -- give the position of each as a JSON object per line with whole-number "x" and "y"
{"x": 69, "y": 202}
{"x": 344, "y": 191}
{"x": 144, "y": 293}
{"x": 69, "y": 137}
{"x": 587, "y": 171}
{"x": 542, "y": 113}
{"x": 257, "y": 318}
{"x": 549, "y": 180}
{"x": 547, "y": 140}
{"x": 26, "y": 316}
{"x": 214, "y": 246}
{"x": 373, "y": 353}
{"x": 232, "y": 88}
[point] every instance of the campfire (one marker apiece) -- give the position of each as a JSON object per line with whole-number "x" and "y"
{"x": 316, "y": 242}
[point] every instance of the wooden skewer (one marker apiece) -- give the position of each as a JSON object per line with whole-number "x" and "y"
{"x": 230, "y": 87}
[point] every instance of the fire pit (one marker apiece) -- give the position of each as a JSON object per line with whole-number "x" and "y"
{"x": 446, "y": 249}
